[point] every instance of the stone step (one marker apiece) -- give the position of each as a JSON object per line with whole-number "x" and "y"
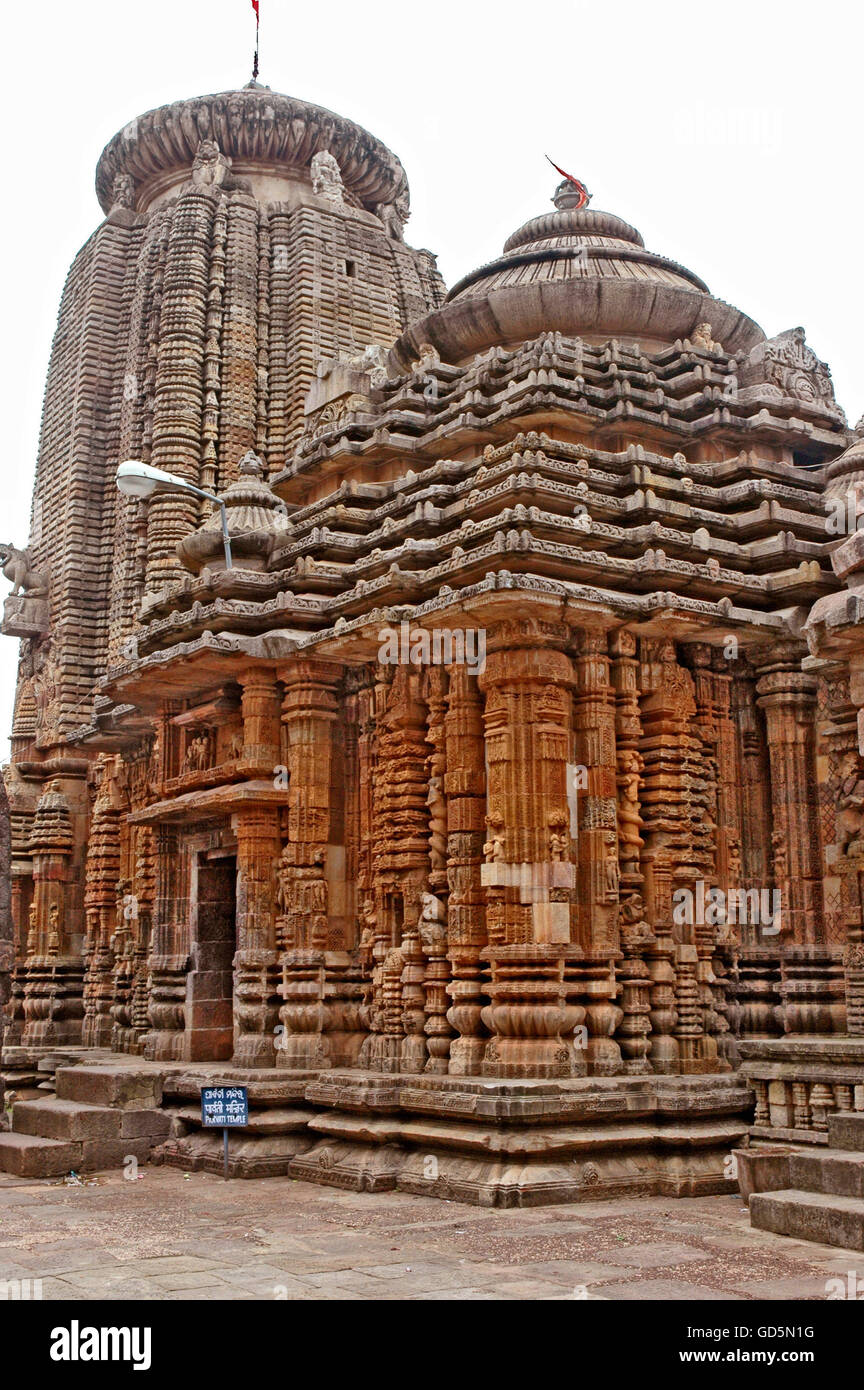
{"x": 30, "y": 1156}
{"x": 846, "y": 1131}
{"x": 762, "y": 1170}
{"x": 817, "y": 1216}
{"x": 837, "y": 1171}
{"x": 120, "y": 1087}
{"x": 66, "y": 1119}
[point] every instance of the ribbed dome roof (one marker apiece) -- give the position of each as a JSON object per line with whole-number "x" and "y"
{"x": 253, "y": 126}
{"x": 580, "y": 272}
{"x": 569, "y": 244}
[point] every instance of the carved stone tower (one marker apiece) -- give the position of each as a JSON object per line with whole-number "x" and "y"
{"x": 247, "y": 237}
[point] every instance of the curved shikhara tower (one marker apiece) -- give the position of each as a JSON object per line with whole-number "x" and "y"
{"x": 247, "y": 237}
{"x": 519, "y": 742}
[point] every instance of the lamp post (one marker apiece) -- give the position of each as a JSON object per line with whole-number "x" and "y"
{"x": 139, "y": 480}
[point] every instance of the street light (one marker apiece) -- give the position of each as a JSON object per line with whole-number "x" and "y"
{"x": 139, "y": 480}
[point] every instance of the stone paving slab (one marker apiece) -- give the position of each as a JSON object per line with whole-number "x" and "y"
{"x": 168, "y": 1236}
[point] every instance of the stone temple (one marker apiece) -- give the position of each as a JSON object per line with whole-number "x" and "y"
{"x": 497, "y": 815}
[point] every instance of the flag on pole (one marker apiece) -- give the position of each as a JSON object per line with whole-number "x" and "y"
{"x": 584, "y": 195}
{"x": 255, "y": 6}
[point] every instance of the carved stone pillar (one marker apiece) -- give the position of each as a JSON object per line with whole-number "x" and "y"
{"x": 669, "y": 858}
{"x": 53, "y": 992}
{"x": 169, "y": 952}
{"x": 258, "y": 846}
{"x": 716, "y": 839}
{"x": 260, "y": 710}
{"x": 402, "y": 865}
{"x": 256, "y": 960}
{"x": 465, "y": 787}
{"x": 102, "y": 874}
{"x": 143, "y": 866}
{"x": 313, "y": 966}
{"x": 599, "y": 872}
{"x": 433, "y": 921}
{"x": 840, "y": 773}
{"x": 787, "y": 695}
{"x": 635, "y": 933}
{"x": 754, "y": 796}
{"x": 529, "y": 872}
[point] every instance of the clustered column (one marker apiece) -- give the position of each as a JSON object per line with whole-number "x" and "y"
{"x": 258, "y": 846}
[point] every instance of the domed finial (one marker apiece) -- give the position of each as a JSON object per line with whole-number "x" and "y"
{"x": 571, "y": 195}
{"x": 251, "y": 466}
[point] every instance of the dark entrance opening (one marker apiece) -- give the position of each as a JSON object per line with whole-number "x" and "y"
{"x": 210, "y": 986}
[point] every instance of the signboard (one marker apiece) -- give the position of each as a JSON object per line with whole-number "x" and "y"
{"x": 224, "y": 1107}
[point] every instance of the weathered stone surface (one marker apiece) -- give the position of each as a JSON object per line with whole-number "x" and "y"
{"x": 123, "y": 1088}
{"x": 27, "y": 1156}
{"x": 505, "y": 792}
{"x": 830, "y": 1220}
{"x": 810, "y": 1193}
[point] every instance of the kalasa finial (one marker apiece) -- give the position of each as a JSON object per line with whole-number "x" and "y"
{"x": 579, "y": 190}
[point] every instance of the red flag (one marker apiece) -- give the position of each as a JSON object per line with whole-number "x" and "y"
{"x": 255, "y": 4}
{"x": 584, "y": 195}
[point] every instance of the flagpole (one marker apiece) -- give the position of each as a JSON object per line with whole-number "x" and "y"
{"x": 257, "y": 33}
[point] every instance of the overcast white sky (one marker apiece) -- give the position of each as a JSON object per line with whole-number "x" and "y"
{"x": 730, "y": 135}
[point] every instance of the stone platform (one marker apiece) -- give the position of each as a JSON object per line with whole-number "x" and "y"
{"x": 523, "y": 1143}
{"x": 470, "y": 1139}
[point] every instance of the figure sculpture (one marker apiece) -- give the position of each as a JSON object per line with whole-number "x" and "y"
{"x": 18, "y": 566}
{"x": 432, "y": 926}
{"x": 211, "y": 170}
{"x": 327, "y": 177}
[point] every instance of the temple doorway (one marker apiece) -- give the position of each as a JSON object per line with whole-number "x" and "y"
{"x": 210, "y": 984}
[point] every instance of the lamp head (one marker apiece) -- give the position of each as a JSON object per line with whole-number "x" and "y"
{"x": 137, "y": 479}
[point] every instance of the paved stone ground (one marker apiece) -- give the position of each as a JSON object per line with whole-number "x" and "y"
{"x": 169, "y": 1236}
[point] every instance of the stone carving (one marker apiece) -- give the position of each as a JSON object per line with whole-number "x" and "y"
{"x": 428, "y": 357}
{"x": 437, "y": 823}
{"x": 199, "y": 753}
{"x": 630, "y": 765}
{"x": 493, "y": 849}
{"x": 211, "y": 170}
{"x": 559, "y": 839}
{"x": 610, "y": 869}
{"x": 18, "y": 566}
{"x": 327, "y": 178}
{"x": 122, "y": 192}
{"x": 850, "y": 806}
{"x": 368, "y": 929}
{"x": 55, "y": 928}
{"x": 394, "y": 216}
{"x": 787, "y": 363}
{"x": 701, "y": 338}
{"x": 433, "y": 924}
{"x": 635, "y": 931}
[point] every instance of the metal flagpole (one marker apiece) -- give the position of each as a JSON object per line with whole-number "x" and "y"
{"x": 256, "y": 8}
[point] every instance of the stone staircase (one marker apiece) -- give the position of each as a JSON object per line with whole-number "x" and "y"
{"x": 810, "y": 1194}
{"x": 100, "y": 1116}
